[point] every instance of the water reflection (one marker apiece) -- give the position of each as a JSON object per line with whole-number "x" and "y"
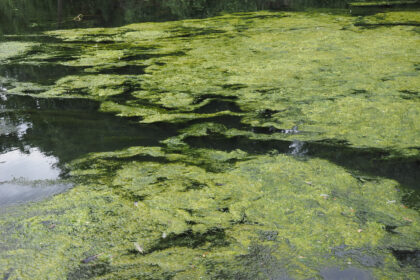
{"x": 44, "y": 74}
{"x": 69, "y": 128}
{"x": 38, "y": 136}
{"x": 31, "y": 165}
{"x": 32, "y": 16}
{"x": 28, "y": 174}
{"x": 16, "y": 192}
{"x": 334, "y": 273}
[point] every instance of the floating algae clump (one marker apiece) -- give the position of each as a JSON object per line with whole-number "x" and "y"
{"x": 198, "y": 223}
{"x": 296, "y": 134}
{"x": 325, "y": 73}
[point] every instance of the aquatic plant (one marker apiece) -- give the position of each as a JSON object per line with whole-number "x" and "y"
{"x": 296, "y": 137}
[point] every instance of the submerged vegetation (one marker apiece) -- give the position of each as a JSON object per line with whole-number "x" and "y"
{"x": 294, "y": 143}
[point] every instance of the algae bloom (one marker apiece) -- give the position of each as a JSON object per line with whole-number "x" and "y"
{"x": 286, "y": 145}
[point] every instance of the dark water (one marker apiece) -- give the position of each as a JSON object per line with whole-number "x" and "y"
{"x": 27, "y": 16}
{"x": 22, "y": 16}
{"x": 370, "y": 162}
{"x": 31, "y": 16}
{"x": 39, "y": 136}
{"x": 69, "y": 128}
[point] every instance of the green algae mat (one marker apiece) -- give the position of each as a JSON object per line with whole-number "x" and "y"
{"x": 290, "y": 150}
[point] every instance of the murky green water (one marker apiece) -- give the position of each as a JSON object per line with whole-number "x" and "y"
{"x": 263, "y": 145}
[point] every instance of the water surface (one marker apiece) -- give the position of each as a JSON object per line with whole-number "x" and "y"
{"x": 268, "y": 145}
{"x": 39, "y": 136}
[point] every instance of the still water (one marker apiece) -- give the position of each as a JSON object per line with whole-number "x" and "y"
{"x": 33, "y": 165}
{"x": 39, "y": 136}
{"x": 278, "y": 144}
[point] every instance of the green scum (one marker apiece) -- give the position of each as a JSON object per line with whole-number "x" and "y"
{"x": 249, "y": 188}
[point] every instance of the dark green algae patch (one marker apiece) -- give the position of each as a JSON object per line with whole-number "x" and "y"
{"x": 297, "y": 141}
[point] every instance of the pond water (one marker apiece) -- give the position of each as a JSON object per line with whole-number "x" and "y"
{"x": 256, "y": 145}
{"x": 39, "y": 136}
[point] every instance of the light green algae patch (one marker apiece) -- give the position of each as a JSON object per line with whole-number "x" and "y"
{"x": 189, "y": 222}
{"x": 12, "y": 49}
{"x": 97, "y": 85}
{"x": 269, "y": 109}
{"x": 364, "y": 120}
{"x": 324, "y": 73}
{"x": 156, "y": 114}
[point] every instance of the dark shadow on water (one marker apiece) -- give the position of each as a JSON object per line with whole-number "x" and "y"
{"x": 203, "y": 97}
{"x": 124, "y": 70}
{"x": 361, "y": 161}
{"x": 390, "y": 24}
{"x": 187, "y": 32}
{"x": 270, "y": 16}
{"x": 145, "y": 56}
{"x": 44, "y": 74}
{"x": 227, "y": 120}
{"x": 124, "y": 97}
{"x": 218, "y": 105}
{"x": 363, "y": 256}
{"x": 90, "y": 269}
{"x": 69, "y": 128}
{"x": 216, "y": 237}
{"x": 34, "y": 38}
{"x": 358, "y": 8}
{"x": 23, "y": 17}
{"x": 259, "y": 262}
{"x": 408, "y": 257}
